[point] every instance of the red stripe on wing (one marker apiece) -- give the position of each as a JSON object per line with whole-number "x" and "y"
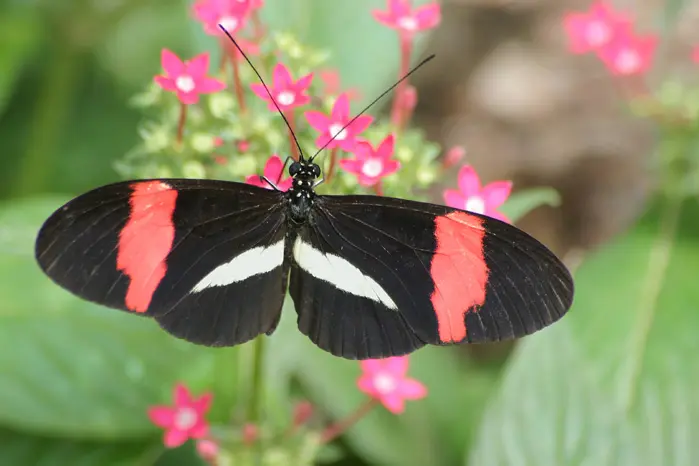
{"x": 146, "y": 240}
{"x": 459, "y": 272}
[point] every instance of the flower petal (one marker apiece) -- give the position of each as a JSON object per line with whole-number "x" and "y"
{"x": 202, "y": 404}
{"x": 497, "y": 215}
{"x": 273, "y": 168}
{"x": 208, "y": 85}
{"x": 385, "y": 149}
{"x": 360, "y": 124}
{"x": 318, "y": 120}
{"x": 255, "y": 180}
{"x": 200, "y": 429}
{"x": 284, "y": 185}
{"x": 340, "y": 111}
{"x": 174, "y": 438}
{"x": 372, "y": 366}
{"x": 427, "y": 16}
{"x": 397, "y": 366}
{"x": 390, "y": 167}
{"x": 281, "y": 78}
{"x": 385, "y": 18}
{"x": 394, "y": 403}
{"x": 303, "y": 83}
{"x": 171, "y": 63}
{"x": 188, "y": 98}
{"x": 365, "y": 383}
{"x": 259, "y": 91}
{"x": 412, "y": 389}
{"x": 363, "y": 149}
{"x": 496, "y": 193}
{"x": 161, "y": 416}
{"x": 198, "y": 66}
{"x": 469, "y": 182}
{"x": 399, "y": 8}
{"x": 351, "y": 166}
{"x": 182, "y": 396}
{"x": 165, "y": 83}
{"x": 454, "y": 198}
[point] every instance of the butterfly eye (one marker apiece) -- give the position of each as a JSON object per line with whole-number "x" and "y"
{"x": 294, "y": 168}
{"x": 316, "y": 170}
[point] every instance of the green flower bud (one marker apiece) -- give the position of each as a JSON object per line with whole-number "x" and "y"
{"x": 221, "y": 104}
{"x": 202, "y": 142}
{"x": 155, "y": 138}
{"x": 193, "y": 169}
{"x": 426, "y": 175}
{"x": 243, "y": 165}
{"x": 404, "y": 154}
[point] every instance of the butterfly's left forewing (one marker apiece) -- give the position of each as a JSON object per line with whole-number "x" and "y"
{"x": 375, "y": 277}
{"x": 204, "y": 258}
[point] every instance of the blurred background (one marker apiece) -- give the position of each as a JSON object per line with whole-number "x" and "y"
{"x": 614, "y": 383}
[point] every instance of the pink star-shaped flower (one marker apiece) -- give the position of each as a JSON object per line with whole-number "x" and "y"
{"x": 595, "y": 28}
{"x": 386, "y": 381}
{"x": 402, "y": 17}
{"x": 187, "y": 79}
{"x": 628, "y": 54}
{"x": 231, "y": 14}
{"x": 473, "y": 198}
{"x": 332, "y": 125}
{"x": 184, "y": 420}
{"x": 273, "y": 172}
{"x": 288, "y": 93}
{"x": 369, "y": 164}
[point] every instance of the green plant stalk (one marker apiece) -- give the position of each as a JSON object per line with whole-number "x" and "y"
{"x": 257, "y": 391}
{"x": 52, "y": 106}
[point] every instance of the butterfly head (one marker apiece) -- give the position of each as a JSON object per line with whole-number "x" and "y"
{"x": 304, "y": 171}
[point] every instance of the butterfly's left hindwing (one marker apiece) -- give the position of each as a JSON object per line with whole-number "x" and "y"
{"x": 204, "y": 258}
{"x": 375, "y": 277}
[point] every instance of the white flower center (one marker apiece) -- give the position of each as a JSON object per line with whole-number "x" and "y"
{"x": 337, "y": 131}
{"x": 286, "y": 98}
{"x": 229, "y": 23}
{"x": 384, "y": 384}
{"x": 475, "y": 204}
{"x": 185, "y": 83}
{"x": 185, "y": 418}
{"x": 408, "y": 23}
{"x": 372, "y": 168}
{"x": 628, "y": 61}
{"x": 597, "y": 33}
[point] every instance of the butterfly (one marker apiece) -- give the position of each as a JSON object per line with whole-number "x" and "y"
{"x": 370, "y": 277}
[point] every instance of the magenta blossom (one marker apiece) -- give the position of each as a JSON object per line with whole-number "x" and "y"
{"x": 369, "y": 164}
{"x": 287, "y": 93}
{"x": 231, "y": 14}
{"x": 473, "y": 198}
{"x": 332, "y": 125}
{"x": 629, "y": 55}
{"x": 595, "y": 28}
{"x": 184, "y": 420}
{"x": 187, "y": 79}
{"x": 273, "y": 172}
{"x": 386, "y": 381}
{"x": 402, "y": 17}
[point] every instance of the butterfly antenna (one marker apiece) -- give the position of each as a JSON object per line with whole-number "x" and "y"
{"x": 288, "y": 125}
{"x": 414, "y": 69}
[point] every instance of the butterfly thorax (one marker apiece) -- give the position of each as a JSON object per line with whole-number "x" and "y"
{"x": 301, "y": 194}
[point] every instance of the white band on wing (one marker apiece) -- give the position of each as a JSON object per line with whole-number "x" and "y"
{"x": 339, "y": 273}
{"x": 255, "y": 261}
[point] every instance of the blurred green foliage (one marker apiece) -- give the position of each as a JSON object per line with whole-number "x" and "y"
{"x": 614, "y": 383}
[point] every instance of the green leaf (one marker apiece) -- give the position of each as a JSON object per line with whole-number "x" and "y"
{"x": 20, "y": 35}
{"x": 368, "y": 60}
{"x": 23, "y": 449}
{"x": 432, "y": 431}
{"x": 522, "y": 202}
{"x": 616, "y": 381}
{"x": 72, "y": 368}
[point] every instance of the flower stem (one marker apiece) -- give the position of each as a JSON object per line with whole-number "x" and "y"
{"x": 331, "y": 167}
{"x": 257, "y": 392}
{"x": 294, "y": 150}
{"x": 181, "y": 122}
{"x": 237, "y": 82}
{"x": 406, "y": 49}
{"x": 378, "y": 189}
{"x": 335, "y": 430}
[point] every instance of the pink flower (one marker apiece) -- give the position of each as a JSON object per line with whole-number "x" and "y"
{"x": 331, "y": 80}
{"x": 187, "y": 79}
{"x": 473, "y": 198}
{"x": 231, "y": 14}
{"x": 385, "y": 380}
{"x": 287, "y": 92}
{"x": 273, "y": 172}
{"x": 369, "y": 164}
{"x": 207, "y": 449}
{"x": 183, "y": 421}
{"x": 402, "y": 17}
{"x": 596, "y": 28}
{"x": 453, "y": 156}
{"x": 332, "y": 125}
{"x": 628, "y": 54}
